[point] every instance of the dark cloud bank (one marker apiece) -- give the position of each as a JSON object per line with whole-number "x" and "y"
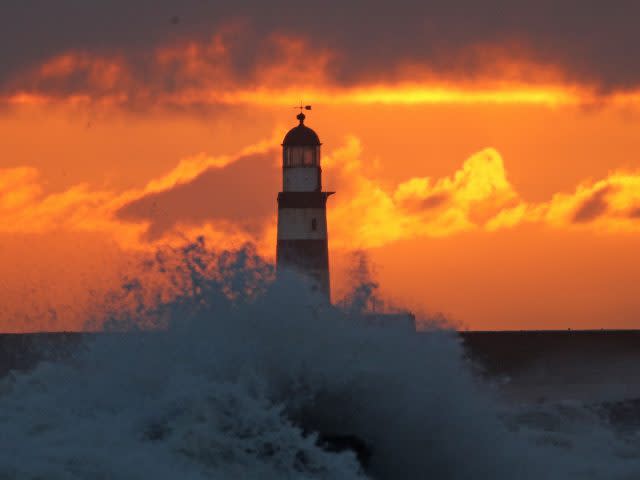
{"x": 240, "y": 193}
{"x": 591, "y": 40}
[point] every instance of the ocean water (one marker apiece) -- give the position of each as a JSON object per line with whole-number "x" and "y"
{"x": 246, "y": 379}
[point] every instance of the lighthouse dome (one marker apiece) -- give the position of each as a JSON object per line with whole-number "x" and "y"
{"x": 301, "y": 135}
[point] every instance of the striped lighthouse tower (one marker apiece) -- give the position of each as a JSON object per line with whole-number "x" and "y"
{"x": 302, "y": 209}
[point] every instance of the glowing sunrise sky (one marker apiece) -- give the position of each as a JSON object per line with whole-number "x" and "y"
{"x": 485, "y": 154}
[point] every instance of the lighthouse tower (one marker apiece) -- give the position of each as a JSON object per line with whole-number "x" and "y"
{"x": 302, "y": 209}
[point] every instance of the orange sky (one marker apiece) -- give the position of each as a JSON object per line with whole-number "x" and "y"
{"x": 504, "y": 202}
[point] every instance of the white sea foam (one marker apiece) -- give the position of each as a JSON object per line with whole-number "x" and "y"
{"x": 239, "y": 385}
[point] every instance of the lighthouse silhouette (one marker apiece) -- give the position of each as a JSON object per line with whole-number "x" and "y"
{"x": 302, "y": 209}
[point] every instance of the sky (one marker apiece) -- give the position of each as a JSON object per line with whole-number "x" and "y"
{"x": 484, "y": 154}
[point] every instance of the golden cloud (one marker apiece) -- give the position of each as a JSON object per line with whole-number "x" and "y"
{"x": 477, "y": 197}
{"x": 468, "y": 200}
{"x": 364, "y": 214}
{"x": 26, "y": 209}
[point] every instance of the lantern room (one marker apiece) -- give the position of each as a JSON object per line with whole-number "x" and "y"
{"x": 301, "y": 146}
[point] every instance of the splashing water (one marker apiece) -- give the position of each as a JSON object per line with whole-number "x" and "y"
{"x": 245, "y": 377}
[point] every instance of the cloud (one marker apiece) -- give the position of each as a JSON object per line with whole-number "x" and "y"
{"x": 18, "y": 186}
{"x": 477, "y": 197}
{"x": 433, "y": 201}
{"x": 634, "y": 213}
{"x": 194, "y": 75}
{"x": 369, "y": 216}
{"x": 231, "y": 199}
{"x": 593, "y": 207}
{"x": 604, "y": 206}
{"x": 240, "y": 194}
{"x": 133, "y": 53}
{"x": 24, "y": 208}
{"x": 211, "y": 194}
{"x": 219, "y": 70}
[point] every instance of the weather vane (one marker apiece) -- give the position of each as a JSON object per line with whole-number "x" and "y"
{"x": 303, "y": 107}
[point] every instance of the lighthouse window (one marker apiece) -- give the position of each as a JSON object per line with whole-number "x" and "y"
{"x": 308, "y": 157}
{"x": 314, "y": 224}
{"x": 301, "y": 156}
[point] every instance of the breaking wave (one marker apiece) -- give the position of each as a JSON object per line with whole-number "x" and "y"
{"x": 253, "y": 379}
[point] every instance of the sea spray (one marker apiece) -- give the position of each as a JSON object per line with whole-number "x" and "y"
{"x": 246, "y": 376}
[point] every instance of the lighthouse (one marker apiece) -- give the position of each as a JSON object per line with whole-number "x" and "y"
{"x": 302, "y": 209}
